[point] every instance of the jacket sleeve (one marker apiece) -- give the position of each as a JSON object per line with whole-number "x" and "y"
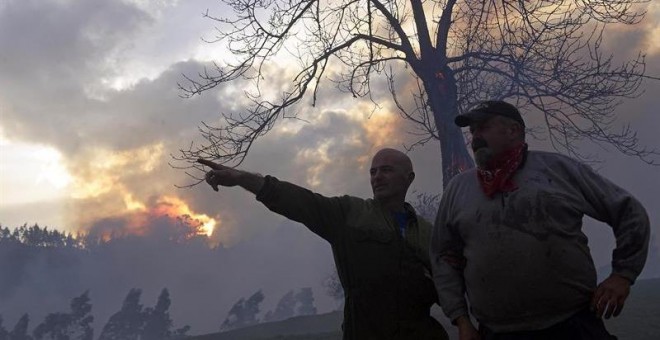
{"x": 325, "y": 216}
{"x": 611, "y": 204}
{"x": 447, "y": 263}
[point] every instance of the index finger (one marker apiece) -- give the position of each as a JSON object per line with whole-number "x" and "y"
{"x": 208, "y": 163}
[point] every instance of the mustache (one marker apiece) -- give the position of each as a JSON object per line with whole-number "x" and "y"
{"x": 478, "y": 143}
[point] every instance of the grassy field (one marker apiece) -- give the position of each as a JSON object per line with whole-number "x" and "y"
{"x": 640, "y": 320}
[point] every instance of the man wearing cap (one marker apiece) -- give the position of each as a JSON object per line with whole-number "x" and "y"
{"x": 380, "y": 246}
{"x": 508, "y": 235}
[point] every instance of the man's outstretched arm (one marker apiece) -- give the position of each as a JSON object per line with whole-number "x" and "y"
{"x": 325, "y": 216}
{"x": 229, "y": 177}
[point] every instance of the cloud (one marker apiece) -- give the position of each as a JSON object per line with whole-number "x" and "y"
{"x": 48, "y": 67}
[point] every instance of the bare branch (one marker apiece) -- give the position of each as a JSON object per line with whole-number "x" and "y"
{"x": 544, "y": 56}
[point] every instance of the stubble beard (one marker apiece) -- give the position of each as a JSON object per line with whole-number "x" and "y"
{"x": 482, "y": 157}
{"x": 482, "y": 153}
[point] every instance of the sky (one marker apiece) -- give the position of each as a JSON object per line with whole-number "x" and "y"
{"x": 90, "y": 115}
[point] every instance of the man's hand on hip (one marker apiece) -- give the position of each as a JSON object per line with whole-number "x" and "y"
{"x": 466, "y": 331}
{"x": 610, "y": 296}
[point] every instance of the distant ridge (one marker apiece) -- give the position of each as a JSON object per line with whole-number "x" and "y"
{"x": 640, "y": 320}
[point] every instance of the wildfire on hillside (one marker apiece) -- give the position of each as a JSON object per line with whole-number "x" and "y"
{"x": 174, "y": 207}
{"x": 167, "y": 216}
{"x": 113, "y": 195}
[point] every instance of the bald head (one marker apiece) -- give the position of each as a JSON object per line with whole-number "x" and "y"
{"x": 395, "y": 157}
{"x": 391, "y": 174}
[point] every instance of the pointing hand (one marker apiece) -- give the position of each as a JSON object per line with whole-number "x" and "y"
{"x": 220, "y": 174}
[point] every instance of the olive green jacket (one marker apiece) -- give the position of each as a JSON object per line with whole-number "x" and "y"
{"x": 386, "y": 278}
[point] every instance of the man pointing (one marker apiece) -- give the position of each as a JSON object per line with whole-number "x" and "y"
{"x": 380, "y": 245}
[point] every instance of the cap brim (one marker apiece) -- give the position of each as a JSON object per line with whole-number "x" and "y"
{"x": 469, "y": 118}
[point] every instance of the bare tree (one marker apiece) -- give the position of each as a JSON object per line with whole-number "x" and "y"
{"x": 544, "y": 56}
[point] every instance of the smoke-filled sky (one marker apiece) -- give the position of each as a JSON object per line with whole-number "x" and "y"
{"x": 90, "y": 114}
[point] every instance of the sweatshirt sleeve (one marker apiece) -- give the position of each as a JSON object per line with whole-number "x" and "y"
{"x": 611, "y": 204}
{"x": 447, "y": 263}
{"x": 324, "y": 216}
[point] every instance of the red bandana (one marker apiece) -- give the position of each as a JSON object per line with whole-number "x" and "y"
{"x": 499, "y": 175}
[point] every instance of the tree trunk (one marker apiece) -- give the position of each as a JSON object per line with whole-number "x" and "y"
{"x": 440, "y": 88}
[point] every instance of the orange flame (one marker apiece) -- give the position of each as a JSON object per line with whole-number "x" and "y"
{"x": 141, "y": 220}
{"x": 175, "y": 207}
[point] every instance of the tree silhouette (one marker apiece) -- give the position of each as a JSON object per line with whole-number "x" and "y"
{"x": 127, "y": 323}
{"x": 285, "y": 308}
{"x": 81, "y": 318}
{"x": 305, "y": 298}
{"x": 75, "y": 325}
{"x": 157, "y": 321}
{"x": 290, "y": 305}
{"x": 243, "y": 313}
{"x": 36, "y": 236}
{"x": 20, "y": 329}
{"x": 5, "y": 234}
{"x": 133, "y": 322}
{"x": 54, "y": 327}
{"x": 543, "y": 56}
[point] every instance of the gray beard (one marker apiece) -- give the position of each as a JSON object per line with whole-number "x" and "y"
{"x": 482, "y": 156}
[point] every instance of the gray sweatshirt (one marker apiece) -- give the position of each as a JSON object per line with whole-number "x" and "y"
{"x": 525, "y": 261}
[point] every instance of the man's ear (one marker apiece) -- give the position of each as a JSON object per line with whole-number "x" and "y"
{"x": 411, "y": 177}
{"x": 516, "y": 130}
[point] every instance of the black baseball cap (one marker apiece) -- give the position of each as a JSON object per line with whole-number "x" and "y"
{"x": 487, "y": 109}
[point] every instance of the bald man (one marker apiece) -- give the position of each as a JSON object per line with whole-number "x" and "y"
{"x": 380, "y": 245}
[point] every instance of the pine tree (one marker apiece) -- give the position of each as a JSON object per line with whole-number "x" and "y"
{"x": 133, "y": 322}
{"x": 243, "y": 313}
{"x": 235, "y": 316}
{"x": 128, "y": 322}
{"x": 285, "y": 308}
{"x": 5, "y": 234}
{"x": 305, "y": 299}
{"x": 53, "y": 327}
{"x": 157, "y": 323}
{"x": 20, "y": 330}
{"x": 81, "y": 318}
{"x": 75, "y": 325}
{"x": 252, "y": 308}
